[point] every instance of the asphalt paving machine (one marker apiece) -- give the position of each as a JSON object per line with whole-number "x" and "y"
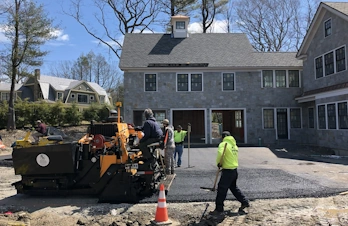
{"x": 106, "y": 162}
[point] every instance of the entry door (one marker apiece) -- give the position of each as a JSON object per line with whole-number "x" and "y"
{"x": 282, "y": 124}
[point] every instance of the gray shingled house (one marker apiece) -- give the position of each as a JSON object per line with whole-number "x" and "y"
{"x": 189, "y": 78}
{"x": 51, "y": 89}
{"x": 325, "y": 78}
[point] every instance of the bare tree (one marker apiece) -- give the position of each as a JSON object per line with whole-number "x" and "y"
{"x": 89, "y": 67}
{"x": 61, "y": 69}
{"x": 274, "y": 25}
{"x": 176, "y": 7}
{"x": 27, "y": 28}
{"x": 209, "y": 9}
{"x": 115, "y": 18}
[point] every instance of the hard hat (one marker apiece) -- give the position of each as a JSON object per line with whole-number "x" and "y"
{"x": 38, "y": 121}
{"x": 165, "y": 121}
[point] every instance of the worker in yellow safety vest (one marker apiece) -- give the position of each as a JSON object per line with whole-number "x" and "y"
{"x": 179, "y": 137}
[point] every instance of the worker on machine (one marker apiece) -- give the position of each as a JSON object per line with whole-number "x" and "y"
{"x": 152, "y": 133}
{"x": 40, "y": 131}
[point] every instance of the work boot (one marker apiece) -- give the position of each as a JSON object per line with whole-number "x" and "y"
{"x": 243, "y": 206}
{"x": 216, "y": 212}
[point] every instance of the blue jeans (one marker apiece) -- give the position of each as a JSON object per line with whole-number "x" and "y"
{"x": 178, "y": 151}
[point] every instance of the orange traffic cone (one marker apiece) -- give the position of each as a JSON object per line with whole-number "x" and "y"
{"x": 161, "y": 217}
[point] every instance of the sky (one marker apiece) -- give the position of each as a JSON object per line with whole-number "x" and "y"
{"x": 73, "y": 40}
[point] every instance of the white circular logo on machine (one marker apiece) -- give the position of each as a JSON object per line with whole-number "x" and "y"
{"x": 43, "y": 160}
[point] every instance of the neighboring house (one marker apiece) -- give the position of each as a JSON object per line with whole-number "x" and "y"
{"x": 51, "y": 89}
{"x": 5, "y": 89}
{"x": 325, "y": 78}
{"x": 188, "y": 78}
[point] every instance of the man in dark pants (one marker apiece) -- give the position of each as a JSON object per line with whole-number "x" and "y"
{"x": 152, "y": 133}
{"x": 229, "y": 174}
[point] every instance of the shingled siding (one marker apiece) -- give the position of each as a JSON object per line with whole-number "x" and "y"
{"x": 320, "y": 46}
{"x": 248, "y": 95}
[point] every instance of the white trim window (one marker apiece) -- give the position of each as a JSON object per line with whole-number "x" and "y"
{"x": 327, "y": 27}
{"x": 331, "y": 62}
{"x": 321, "y": 117}
{"x": 228, "y": 81}
{"x": 267, "y": 78}
{"x": 180, "y": 25}
{"x": 82, "y": 98}
{"x": 59, "y": 96}
{"x": 342, "y": 115}
{"x": 150, "y": 82}
{"x": 280, "y": 78}
{"x": 189, "y": 82}
{"x": 5, "y": 96}
{"x": 268, "y": 118}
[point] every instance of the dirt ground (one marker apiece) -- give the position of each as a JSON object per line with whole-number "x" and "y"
{"x": 301, "y": 211}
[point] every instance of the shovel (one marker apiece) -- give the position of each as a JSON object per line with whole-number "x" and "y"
{"x": 217, "y": 173}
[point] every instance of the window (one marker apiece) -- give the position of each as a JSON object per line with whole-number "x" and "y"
{"x": 182, "y": 82}
{"x": 190, "y": 82}
{"x": 310, "y": 117}
{"x": 321, "y": 117}
{"x": 341, "y": 59}
{"x": 160, "y": 116}
{"x": 82, "y": 98}
{"x": 180, "y": 25}
{"x": 294, "y": 78}
{"x": 5, "y": 96}
{"x": 319, "y": 67}
{"x": 59, "y": 96}
{"x": 268, "y": 118}
{"x": 102, "y": 99}
{"x": 196, "y": 82}
{"x": 327, "y": 27}
{"x": 295, "y": 118}
{"x": 329, "y": 63}
{"x": 267, "y": 76}
{"x": 150, "y": 82}
{"x": 280, "y": 78}
{"x": 342, "y": 115}
{"x": 227, "y": 81}
{"x": 331, "y": 116}
{"x": 238, "y": 118}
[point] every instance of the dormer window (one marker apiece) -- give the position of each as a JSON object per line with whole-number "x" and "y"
{"x": 327, "y": 27}
{"x": 180, "y": 24}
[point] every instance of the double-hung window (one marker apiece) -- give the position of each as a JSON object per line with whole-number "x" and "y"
{"x": 294, "y": 78}
{"x": 327, "y": 27}
{"x": 267, "y": 76}
{"x": 341, "y": 59}
{"x": 319, "y": 67}
{"x": 342, "y": 115}
{"x": 180, "y": 25}
{"x": 329, "y": 63}
{"x": 190, "y": 82}
{"x": 321, "y": 117}
{"x": 268, "y": 118}
{"x": 150, "y": 82}
{"x": 227, "y": 81}
{"x": 280, "y": 78}
{"x": 331, "y": 116}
